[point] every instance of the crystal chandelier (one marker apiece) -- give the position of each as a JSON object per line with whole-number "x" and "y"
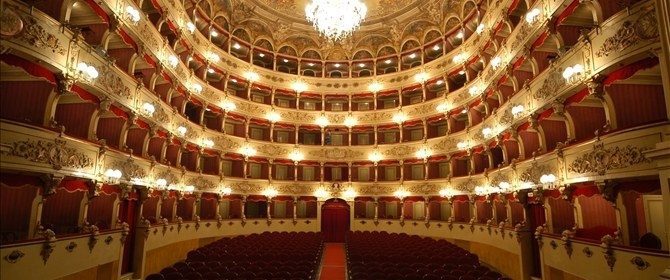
{"x": 335, "y": 19}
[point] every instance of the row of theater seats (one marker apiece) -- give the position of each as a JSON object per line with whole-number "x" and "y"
{"x": 270, "y": 255}
{"x": 380, "y": 255}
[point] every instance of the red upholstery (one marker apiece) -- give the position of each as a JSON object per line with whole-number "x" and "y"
{"x": 270, "y": 255}
{"x": 380, "y": 255}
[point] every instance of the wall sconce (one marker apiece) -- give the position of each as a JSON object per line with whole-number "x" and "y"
{"x": 480, "y": 28}
{"x": 173, "y": 61}
{"x": 349, "y": 194}
{"x": 463, "y": 145}
{"x": 321, "y": 194}
{"x": 475, "y": 90}
{"x": 248, "y": 151}
{"x": 399, "y": 117}
{"x": 299, "y": 86}
{"x": 228, "y": 105}
{"x": 191, "y": 27}
{"x": 273, "y": 116}
{"x": 532, "y": 15}
{"x": 113, "y": 176}
{"x": 188, "y": 189}
{"x": 197, "y": 88}
{"x": 182, "y": 130}
{"x": 517, "y": 110}
{"x": 350, "y": 121}
{"x": 161, "y": 184}
{"x": 487, "y": 132}
{"x": 375, "y": 156}
{"x": 446, "y": 193}
{"x": 132, "y": 14}
{"x": 504, "y": 186}
{"x": 225, "y": 191}
{"x": 148, "y": 109}
{"x": 421, "y": 77}
{"x": 296, "y": 156}
{"x": 443, "y": 107}
{"x": 495, "y": 62}
{"x": 211, "y": 56}
{"x": 208, "y": 143}
{"x": 401, "y": 194}
{"x": 573, "y": 73}
{"x": 548, "y": 180}
{"x": 87, "y": 72}
{"x": 322, "y": 121}
{"x": 270, "y": 193}
{"x": 459, "y": 58}
{"x": 423, "y": 153}
{"x": 375, "y": 86}
{"x": 251, "y": 76}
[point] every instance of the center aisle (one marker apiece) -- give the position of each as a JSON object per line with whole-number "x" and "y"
{"x": 333, "y": 265}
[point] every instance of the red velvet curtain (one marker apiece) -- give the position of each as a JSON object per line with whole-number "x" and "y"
{"x": 235, "y": 208}
{"x": 100, "y": 210}
{"x": 517, "y": 212}
{"x": 461, "y": 211}
{"x": 167, "y": 208}
{"x": 484, "y": 211}
{"x": 208, "y": 208}
{"x": 185, "y": 208}
{"x": 335, "y": 220}
{"x": 501, "y": 211}
{"x": 15, "y": 209}
{"x": 562, "y": 214}
{"x": 599, "y": 217}
{"x": 359, "y": 209}
{"x": 60, "y": 211}
{"x": 150, "y": 207}
{"x": 127, "y": 214}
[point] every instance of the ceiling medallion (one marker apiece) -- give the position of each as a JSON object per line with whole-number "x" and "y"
{"x": 335, "y": 19}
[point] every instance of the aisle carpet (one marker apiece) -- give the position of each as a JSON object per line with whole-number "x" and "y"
{"x": 333, "y": 266}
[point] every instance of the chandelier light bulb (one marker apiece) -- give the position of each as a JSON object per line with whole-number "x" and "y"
{"x": 321, "y": 193}
{"x": 388, "y": 61}
{"x": 191, "y": 27}
{"x": 446, "y": 193}
{"x": 236, "y": 46}
{"x": 436, "y": 47}
{"x": 517, "y": 110}
{"x": 173, "y": 61}
{"x": 270, "y": 193}
{"x": 495, "y": 62}
{"x": 228, "y": 106}
{"x": 421, "y": 77}
{"x": 375, "y": 86}
{"x": 273, "y": 116}
{"x": 299, "y": 86}
{"x": 532, "y": 15}
{"x": 214, "y": 33}
{"x": 350, "y": 121}
{"x": 197, "y": 88}
{"x": 208, "y": 143}
{"x": 296, "y": 156}
{"x": 487, "y": 132}
{"x": 399, "y": 117}
{"x": 322, "y": 121}
{"x": 225, "y": 191}
{"x": 148, "y": 108}
{"x": 460, "y": 58}
{"x": 462, "y": 145}
{"x": 460, "y": 35}
{"x": 335, "y": 19}
{"x": 182, "y": 130}
{"x": 133, "y": 14}
{"x": 423, "y": 153}
{"x": 480, "y": 28}
{"x": 443, "y": 107}
{"x": 251, "y": 76}
{"x": 248, "y": 151}
{"x": 375, "y": 156}
{"x": 161, "y": 183}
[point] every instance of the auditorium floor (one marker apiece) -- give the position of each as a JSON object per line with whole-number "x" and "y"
{"x": 333, "y": 264}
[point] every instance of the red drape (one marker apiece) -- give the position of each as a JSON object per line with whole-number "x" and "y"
{"x": 15, "y": 210}
{"x": 207, "y": 209}
{"x": 185, "y": 208}
{"x": 127, "y": 214}
{"x": 562, "y": 214}
{"x": 100, "y": 210}
{"x": 60, "y": 212}
{"x": 334, "y": 220}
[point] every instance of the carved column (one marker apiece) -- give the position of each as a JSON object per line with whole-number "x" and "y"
{"x": 376, "y": 203}
{"x": 321, "y": 173}
{"x": 297, "y": 134}
{"x": 243, "y": 204}
{"x": 295, "y": 208}
{"x": 426, "y": 205}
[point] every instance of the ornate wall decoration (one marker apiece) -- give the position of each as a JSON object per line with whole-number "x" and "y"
{"x": 375, "y": 117}
{"x": 399, "y": 152}
{"x": 640, "y": 263}
{"x": 130, "y": 169}
{"x": 246, "y": 188}
{"x": 425, "y": 189}
{"x": 336, "y": 153}
{"x": 467, "y": 186}
{"x": 169, "y": 177}
{"x": 54, "y": 153}
{"x": 630, "y": 33}
{"x": 375, "y": 190}
{"x": 445, "y": 144}
{"x": 226, "y": 143}
{"x": 551, "y": 84}
{"x": 34, "y": 34}
{"x": 271, "y": 150}
{"x": 10, "y": 23}
{"x": 534, "y": 172}
{"x": 296, "y": 189}
{"x": 601, "y": 159}
{"x": 201, "y": 183}
{"x": 112, "y": 82}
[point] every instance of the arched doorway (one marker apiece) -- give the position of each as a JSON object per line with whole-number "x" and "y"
{"x": 334, "y": 220}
